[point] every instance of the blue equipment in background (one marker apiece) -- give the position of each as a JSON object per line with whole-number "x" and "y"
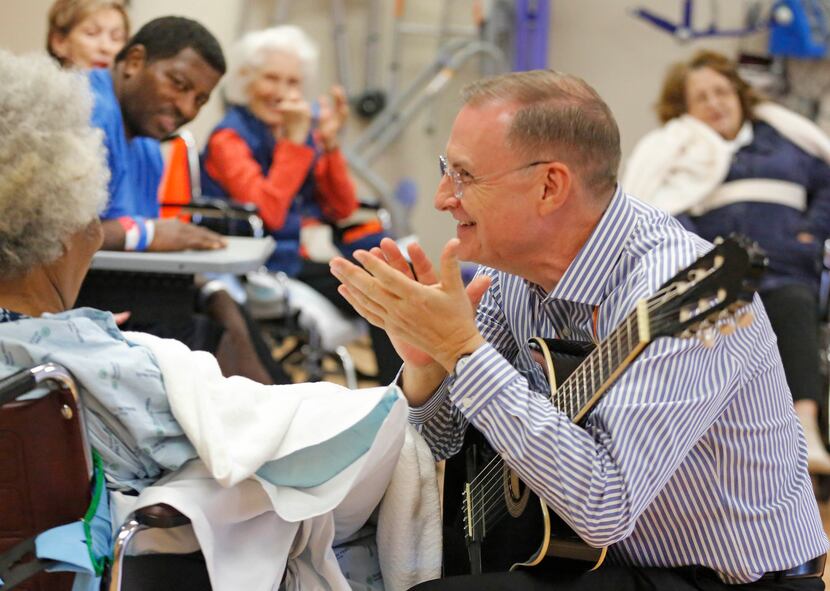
{"x": 530, "y": 51}
{"x": 799, "y": 28}
{"x": 684, "y": 30}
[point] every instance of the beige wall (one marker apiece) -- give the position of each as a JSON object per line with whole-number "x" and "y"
{"x": 597, "y": 39}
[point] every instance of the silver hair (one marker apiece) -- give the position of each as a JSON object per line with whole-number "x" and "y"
{"x": 248, "y": 54}
{"x": 53, "y": 170}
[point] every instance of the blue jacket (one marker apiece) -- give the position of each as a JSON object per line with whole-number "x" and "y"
{"x": 135, "y": 164}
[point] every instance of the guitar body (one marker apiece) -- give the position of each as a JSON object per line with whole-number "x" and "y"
{"x": 522, "y": 532}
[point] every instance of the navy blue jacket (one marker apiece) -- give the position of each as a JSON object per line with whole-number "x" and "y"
{"x": 775, "y": 226}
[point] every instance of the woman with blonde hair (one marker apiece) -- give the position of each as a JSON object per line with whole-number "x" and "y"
{"x": 87, "y": 34}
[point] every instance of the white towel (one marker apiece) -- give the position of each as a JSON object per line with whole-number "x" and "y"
{"x": 409, "y": 520}
{"x": 676, "y": 166}
{"x": 249, "y": 530}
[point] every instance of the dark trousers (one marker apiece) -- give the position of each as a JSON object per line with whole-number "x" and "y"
{"x": 612, "y": 578}
{"x": 793, "y": 314}
{"x": 318, "y": 276}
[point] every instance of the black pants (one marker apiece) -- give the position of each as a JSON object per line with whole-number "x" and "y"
{"x": 612, "y": 578}
{"x": 793, "y": 313}
{"x": 318, "y": 276}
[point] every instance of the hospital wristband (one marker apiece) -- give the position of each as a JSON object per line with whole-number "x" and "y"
{"x": 148, "y": 232}
{"x": 138, "y": 232}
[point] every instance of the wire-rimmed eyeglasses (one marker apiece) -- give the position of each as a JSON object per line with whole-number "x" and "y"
{"x": 459, "y": 181}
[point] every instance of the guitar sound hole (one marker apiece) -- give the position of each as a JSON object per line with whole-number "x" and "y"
{"x": 516, "y": 493}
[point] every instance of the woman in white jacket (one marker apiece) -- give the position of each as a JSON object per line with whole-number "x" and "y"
{"x": 725, "y": 161}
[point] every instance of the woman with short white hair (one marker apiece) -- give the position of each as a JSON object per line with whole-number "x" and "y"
{"x": 53, "y": 185}
{"x": 273, "y": 150}
{"x": 152, "y": 404}
{"x": 269, "y": 150}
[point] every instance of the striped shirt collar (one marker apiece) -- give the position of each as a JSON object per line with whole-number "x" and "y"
{"x": 585, "y": 281}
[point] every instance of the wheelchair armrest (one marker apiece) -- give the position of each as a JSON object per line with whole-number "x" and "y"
{"x": 369, "y": 206}
{"x": 225, "y": 205}
{"x": 216, "y": 207}
{"x": 16, "y": 385}
{"x": 161, "y": 516}
{"x": 224, "y": 211}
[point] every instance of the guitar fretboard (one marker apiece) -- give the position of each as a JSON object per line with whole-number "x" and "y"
{"x": 575, "y": 395}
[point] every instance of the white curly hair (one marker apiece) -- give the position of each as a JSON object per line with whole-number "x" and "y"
{"x": 53, "y": 170}
{"x": 248, "y": 54}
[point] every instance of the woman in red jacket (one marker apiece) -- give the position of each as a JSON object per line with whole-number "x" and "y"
{"x": 272, "y": 150}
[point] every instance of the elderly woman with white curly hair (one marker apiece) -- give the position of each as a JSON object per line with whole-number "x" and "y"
{"x": 153, "y": 405}
{"x": 271, "y": 150}
{"x": 52, "y": 187}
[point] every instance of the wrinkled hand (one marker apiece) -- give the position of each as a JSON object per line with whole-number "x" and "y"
{"x": 173, "y": 235}
{"x": 805, "y": 238}
{"x": 333, "y": 114}
{"x": 428, "y": 318}
{"x": 296, "y": 117}
{"x": 121, "y": 317}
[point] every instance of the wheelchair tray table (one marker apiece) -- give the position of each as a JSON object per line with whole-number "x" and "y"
{"x": 156, "y": 286}
{"x": 240, "y": 256}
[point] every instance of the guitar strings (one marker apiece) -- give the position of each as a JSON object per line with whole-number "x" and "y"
{"x": 569, "y": 393}
{"x": 486, "y": 488}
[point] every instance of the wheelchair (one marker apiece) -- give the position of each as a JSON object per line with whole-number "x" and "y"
{"x": 287, "y": 310}
{"x": 50, "y": 487}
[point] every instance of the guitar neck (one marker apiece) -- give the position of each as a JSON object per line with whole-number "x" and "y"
{"x": 583, "y": 388}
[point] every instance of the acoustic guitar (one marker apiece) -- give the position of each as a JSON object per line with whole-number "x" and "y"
{"x": 505, "y": 524}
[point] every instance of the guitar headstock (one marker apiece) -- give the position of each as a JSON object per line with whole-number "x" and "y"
{"x": 710, "y": 293}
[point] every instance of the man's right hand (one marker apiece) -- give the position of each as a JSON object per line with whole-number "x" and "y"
{"x": 422, "y": 374}
{"x": 425, "y": 274}
{"x": 172, "y": 235}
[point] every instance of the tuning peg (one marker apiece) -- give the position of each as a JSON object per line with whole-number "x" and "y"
{"x": 687, "y": 334}
{"x": 746, "y": 319}
{"x": 727, "y": 328}
{"x": 707, "y": 338}
{"x": 734, "y": 307}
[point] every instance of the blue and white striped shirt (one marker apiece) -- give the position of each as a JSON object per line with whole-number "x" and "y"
{"x": 693, "y": 457}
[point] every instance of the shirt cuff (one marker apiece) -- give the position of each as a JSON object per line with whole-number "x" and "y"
{"x": 418, "y": 415}
{"x": 478, "y": 378}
